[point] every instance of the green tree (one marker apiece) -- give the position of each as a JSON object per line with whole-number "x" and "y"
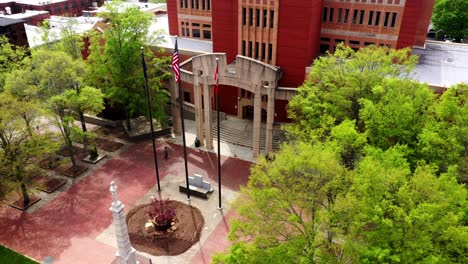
{"x": 283, "y": 210}
{"x": 20, "y": 144}
{"x": 116, "y": 66}
{"x": 451, "y": 17}
{"x": 392, "y": 215}
{"x": 11, "y": 58}
{"x": 337, "y": 82}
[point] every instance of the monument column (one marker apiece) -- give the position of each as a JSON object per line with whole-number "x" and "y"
{"x": 197, "y": 87}
{"x": 175, "y": 108}
{"x": 208, "y": 116}
{"x": 270, "y": 119}
{"x": 125, "y": 252}
{"x": 257, "y": 122}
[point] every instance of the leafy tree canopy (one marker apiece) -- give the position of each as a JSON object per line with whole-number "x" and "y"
{"x": 451, "y": 17}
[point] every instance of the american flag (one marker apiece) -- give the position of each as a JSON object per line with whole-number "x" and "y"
{"x": 216, "y": 76}
{"x": 175, "y": 63}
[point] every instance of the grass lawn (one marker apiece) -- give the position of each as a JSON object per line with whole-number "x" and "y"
{"x": 11, "y": 257}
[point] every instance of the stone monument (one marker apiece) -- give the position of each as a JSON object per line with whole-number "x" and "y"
{"x": 125, "y": 252}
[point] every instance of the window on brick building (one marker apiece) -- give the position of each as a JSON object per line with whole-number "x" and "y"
{"x": 272, "y": 18}
{"x": 206, "y": 34}
{"x": 257, "y": 17}
{"x": 243, "y": 48}
{"x": 270, "y": 51}
{"x": 265, "y": 17}
{"x": 371, "y": 17}
{"x": 397, "y": 2}
{"x": 324, "y": 14}
{"x": 74, "y": 5}
{"x": 355, "y": 14}
{"x": 209, "y": 4}
{"x": 331, "y": 14}
{"x": 394, "y": 17}
{"x": 377, "y": 18}
{"x": 244, "y": 18}
{"x": 250, "y": 16}
{"x": 256, "y": 50}
{"x": 263, "y": 51}
{"x": 325, "y": 39}
{"x": 354, "y": 42}
{"x": 203, "y": 6}
{"x": 340, "y": 15}
{"x": 192, "y": 4}
{"x": 361, "y": 17}
{"x": 387, "y": 16}
{"x": 369, "y": 43}
{"x": 250, "y": 49}
{"x": 338, "y": 41}
{"x": 346, "y": 15}
{"x": 197, "y": 4}
{"x": 196, "y": 33}
{"x": 186, "y": 3}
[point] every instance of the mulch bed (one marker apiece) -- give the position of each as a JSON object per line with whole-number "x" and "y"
{"x": 108, "y": 145}
{"x": 67, "y": 170}
{"x": 18, "y": 203}
{"x": 48, "y": 184}
{"x": 80, "y": 153}
{"x": 50, "y": 163}
{"x": 189, "y": 222}
{"x": 118, "y": 132}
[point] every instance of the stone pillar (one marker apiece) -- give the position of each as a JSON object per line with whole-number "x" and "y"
{"x": 270, "y": 119}
{"x": 208, "y": 116}
{"x": 197, "y": 87}
{"x": 257, "y": 122}
{"x": 175, "y": 108}
{"x": 125, "y": 252}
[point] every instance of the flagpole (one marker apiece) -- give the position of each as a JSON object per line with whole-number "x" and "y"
{"x": 218, "y": 133}
{"x": 143, "y": 63}
{"x": 175, "y": 65}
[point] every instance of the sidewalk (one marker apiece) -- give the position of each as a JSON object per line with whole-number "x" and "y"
{"x": 76, "y": 225}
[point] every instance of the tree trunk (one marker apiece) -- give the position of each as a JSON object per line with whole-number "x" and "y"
{"x": 25, "y": 194}
{"x": 83, "y": 127}
{"x": 72, "y": 157}
{"x": 127, "y": 118}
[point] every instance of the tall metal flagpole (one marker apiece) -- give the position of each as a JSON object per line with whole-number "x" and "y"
{"x": 176, "y": 69}
{"x": 143, "y": 63}
{"x": 219, "y": 144}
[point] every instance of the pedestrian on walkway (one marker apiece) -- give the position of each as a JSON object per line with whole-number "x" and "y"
{"x": 166, "y": 152}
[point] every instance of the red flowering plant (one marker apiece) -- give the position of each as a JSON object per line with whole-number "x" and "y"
{"x": 161, "y": 213}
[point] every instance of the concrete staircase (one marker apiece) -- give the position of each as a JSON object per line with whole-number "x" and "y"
{"x": 240, "y": 132}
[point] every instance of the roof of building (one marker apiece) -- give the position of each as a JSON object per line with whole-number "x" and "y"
{"x": 442, "y": 64}
{"x": 26, "y": 14}
{"x": 4, "y": 21}
{"x": 37, "y": 2}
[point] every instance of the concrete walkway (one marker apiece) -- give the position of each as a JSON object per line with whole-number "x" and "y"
{"x": 76, "y": 225}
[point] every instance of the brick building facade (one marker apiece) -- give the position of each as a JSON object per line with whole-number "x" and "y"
{"x": 291, "y": 34}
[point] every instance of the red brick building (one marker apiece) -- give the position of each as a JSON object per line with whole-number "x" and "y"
{"x": 290, "y": 34}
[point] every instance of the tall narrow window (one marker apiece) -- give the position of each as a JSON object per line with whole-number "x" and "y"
{"x": 203, "y": 5}
{"x": 263, "y": 51}
{"x": 394, "y": 16}
{"x": 355, "y": 14}
{"x": 192, "y": 4}
{"x": 377, "y": 18}
{"x": 331, "y": 14}
{"x": 270, "y": 52}
{"x": 265, "y": 17}
{"x": 244, "y": 18}
{"x": 256, "y": 50}
{"x": 243, "y": 48}
{"x": 371, "y": 17}
{"x": 272, "y": 18}
{"x": 340, "y": 15}
{"x": 250, "y": 49}
{"x": 197, "y": 4}
{"x": 387, "y": 16}
{"x": 257, "y": 18}
{"x": 361, "y": 17}
{"x": 181, "y": 3}
{"x": 250, "y": 16}
{"x": 324, "y": 14}
{"x": 209, "y": 4}
{"x": 346, "y": 15}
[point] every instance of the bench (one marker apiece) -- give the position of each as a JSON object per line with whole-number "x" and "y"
{"x": 197, "y": 186}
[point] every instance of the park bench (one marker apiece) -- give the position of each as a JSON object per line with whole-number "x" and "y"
{"x": 197, "y": 186}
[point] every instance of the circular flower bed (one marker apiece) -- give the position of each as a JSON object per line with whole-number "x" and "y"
{"x": 176, "y": 238}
